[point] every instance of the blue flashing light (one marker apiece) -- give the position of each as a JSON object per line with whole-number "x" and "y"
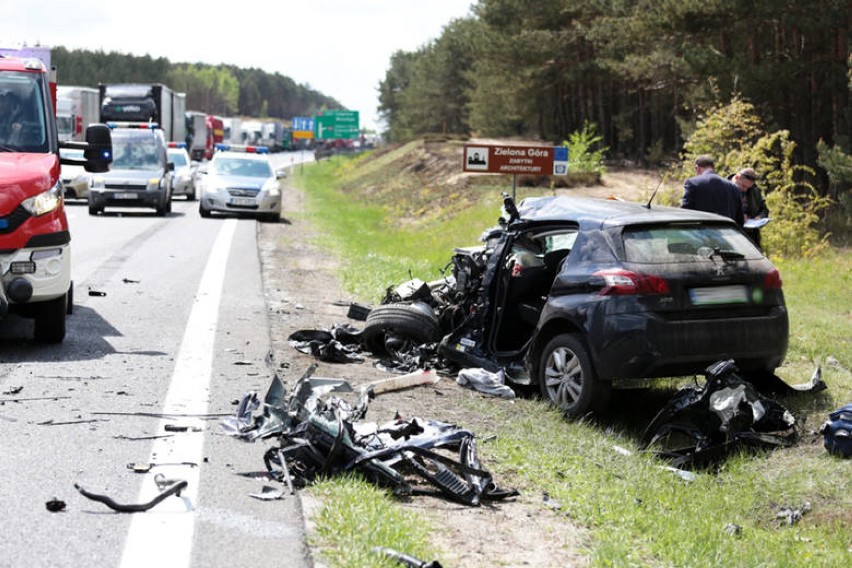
{"x": 141, "y": 125}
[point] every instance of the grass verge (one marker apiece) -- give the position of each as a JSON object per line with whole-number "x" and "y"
{"x": 639, "y": 513}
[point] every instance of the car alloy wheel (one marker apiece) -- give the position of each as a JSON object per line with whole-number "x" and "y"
{"x": 567, "y": 379}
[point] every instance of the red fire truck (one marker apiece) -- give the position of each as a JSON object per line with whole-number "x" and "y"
{"x": 35, "y": 255}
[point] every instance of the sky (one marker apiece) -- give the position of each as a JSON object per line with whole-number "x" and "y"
{"x": 341, "y": 48}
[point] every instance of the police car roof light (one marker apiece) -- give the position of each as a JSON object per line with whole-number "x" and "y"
{"x": 242, "y": 148}
{"x": 177, "y": 144}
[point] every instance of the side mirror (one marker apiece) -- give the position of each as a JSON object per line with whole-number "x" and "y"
{"x": 98, "y": 153}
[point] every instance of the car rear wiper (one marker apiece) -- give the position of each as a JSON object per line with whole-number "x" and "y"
{"x": 726, "y": 254}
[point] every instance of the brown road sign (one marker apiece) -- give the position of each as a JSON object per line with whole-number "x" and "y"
{"x": 532, "y": 160}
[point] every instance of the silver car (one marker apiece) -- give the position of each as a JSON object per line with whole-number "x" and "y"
{"x": 75, "y": 179}
{"x": 140, "y": 176}
{"x": 183, "y": 182}
{"x": 240, "y": 180}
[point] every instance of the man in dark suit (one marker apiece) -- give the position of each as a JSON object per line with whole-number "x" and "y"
{"x": 708, "y": 191}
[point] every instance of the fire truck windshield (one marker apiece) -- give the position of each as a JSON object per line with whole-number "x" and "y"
{"x": 22, "y": 113}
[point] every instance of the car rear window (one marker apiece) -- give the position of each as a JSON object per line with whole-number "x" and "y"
{"x": 178, "y": 158}
{"x": 686, "y": 243}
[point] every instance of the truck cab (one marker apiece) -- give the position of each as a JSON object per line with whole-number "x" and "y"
{"x": 35, "y": 252}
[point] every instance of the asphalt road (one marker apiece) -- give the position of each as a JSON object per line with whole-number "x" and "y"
{"x": 169, "y": 328}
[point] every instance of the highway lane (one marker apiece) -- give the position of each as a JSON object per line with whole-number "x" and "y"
{"x": 178, "y": 322}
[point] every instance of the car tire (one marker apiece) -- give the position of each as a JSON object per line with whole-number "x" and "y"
{"x": 50, "y": 320}
{"x": 567, "y": 378}
{"x": 395, "y": 329}
{"x": 191, "y": 196}
{"x": 94, "y": 209}
{"x": 203, "y": 211}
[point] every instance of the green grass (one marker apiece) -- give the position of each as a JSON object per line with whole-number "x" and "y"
{"x": 358, "y": 517}
{"x": 638, "y": 513}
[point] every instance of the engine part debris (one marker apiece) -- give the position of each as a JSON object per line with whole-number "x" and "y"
{"x": 55, "y": 505}
{"x": 146, "y": 467}
{"x": 406, "y": 559}
{"x": 789, "y": 516}
{"x": 319, "y": 436}
{"x": 166, "y": 487}
{"x": 268, "y": 493}
{"x": 701, "y": 425}
{"x": 358, "y": 312}
{"x": 341, "y": 344}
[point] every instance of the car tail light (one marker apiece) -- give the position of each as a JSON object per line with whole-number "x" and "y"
{"x": 624, "y": 283}
{"x": 772, "y": 281}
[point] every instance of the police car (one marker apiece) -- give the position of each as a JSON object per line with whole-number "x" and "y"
{"x": 141, "y": 175}
{"x": 240, "y": 180}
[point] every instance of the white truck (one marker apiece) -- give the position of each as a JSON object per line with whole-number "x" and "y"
{"x": 76, "y": 108}
{"x": 233, "y": 130}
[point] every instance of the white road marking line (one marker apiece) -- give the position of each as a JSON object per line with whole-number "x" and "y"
{"x": 163, "y": 535}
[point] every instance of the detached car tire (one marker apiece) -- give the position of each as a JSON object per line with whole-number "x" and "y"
{"x": 567, "y": 378}
{"x": 395, "y": 328}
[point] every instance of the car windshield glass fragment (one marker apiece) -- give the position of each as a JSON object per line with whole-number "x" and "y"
{"x": 687, "y": 243}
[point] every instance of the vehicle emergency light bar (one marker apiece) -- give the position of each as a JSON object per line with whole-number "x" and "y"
{"x": 242, "y": 148}
{"x": 177, "y": 144}
{"x": 141, "y": 125}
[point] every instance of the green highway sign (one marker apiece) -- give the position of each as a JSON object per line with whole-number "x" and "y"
{"x": 335, "y": 124}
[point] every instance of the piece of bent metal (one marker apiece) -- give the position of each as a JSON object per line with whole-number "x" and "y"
{"x": 167, "y": 487}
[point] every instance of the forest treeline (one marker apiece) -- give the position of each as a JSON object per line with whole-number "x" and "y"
{"x": 643, "y": 71}
{"x": 216, "y": 89}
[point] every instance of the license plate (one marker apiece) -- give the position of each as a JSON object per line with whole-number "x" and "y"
{"x": 125, "y": 195}
{"x": 243, "y": 201}
{"x": 735, "y": 294}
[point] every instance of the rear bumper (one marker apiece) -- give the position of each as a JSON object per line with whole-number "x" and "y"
{"x": 183, "y": 187}
{"x": 648, "y": 346}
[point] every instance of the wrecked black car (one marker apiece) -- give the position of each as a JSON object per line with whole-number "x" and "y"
{"x": 572, "y": 294}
